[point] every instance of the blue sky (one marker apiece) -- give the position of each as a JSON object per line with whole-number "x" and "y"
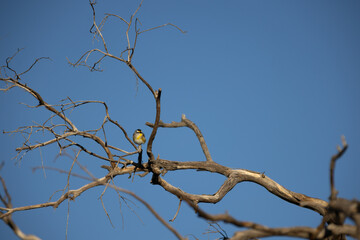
{"x": 272, "y": 85}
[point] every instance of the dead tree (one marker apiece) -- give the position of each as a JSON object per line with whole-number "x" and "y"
{"x": 64, "y": 132}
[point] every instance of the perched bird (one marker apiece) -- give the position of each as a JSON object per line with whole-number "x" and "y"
{"x": 139, "y": 137}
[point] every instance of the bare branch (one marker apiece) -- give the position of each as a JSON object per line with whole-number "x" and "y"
{"x": 177, "y": 212}
{"x": 6, "y": 200}
{"x": 117, "y": 16}
{"x": 61, "y": 171}
{"x": 73, "y": 194}
{"x": 204, "y": 147}
{"x": 70, "y": 129}
{"x": 233, "y": 177}
{"x": 340, "y": 209}
{"x": 299, "y": 232}
{"x": 141, "y": 78}
{"x": 187, "y": 123}
{"x": 148, "y": 206}
{"x": 164, "y": 25}
{"x": 218, "y": 229}
{"x": 157, "y": 96}
{"x": 41, "y": 101}
{"x": 332, "y": 167}
{"x": 335, "y": 212}
{"x": 258, "y": 230}
{"x": 8, "y": 60}
{"x": 92, "y": 4}
{"x": 32, "y": 65}
{"x": 47, "y": 142}
{"x": 127, "y": 32}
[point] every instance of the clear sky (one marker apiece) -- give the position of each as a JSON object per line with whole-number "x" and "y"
{"x": 272, "y": 85}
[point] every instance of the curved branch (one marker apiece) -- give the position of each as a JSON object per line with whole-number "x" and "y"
{"x": 148, "y": 206}
{"x": 155, "y": 128}
{"x": 71, "y": 130}
{"x": 233, "y": 177}
{"x": 141, "y": 78}
{"x": 95, "y": 25}
{"x": 33, "y": 64}
{"x": 299, "y": 232}
{"x": 72, "y": 194}
{"x": 164, "y": 25}
{"x": 241, "y": 175}
{"x": 258, "y": 230}
{"x": 41, "y": 101}
{"x": 187, "y": 123}
{"x": 6, "y": 200}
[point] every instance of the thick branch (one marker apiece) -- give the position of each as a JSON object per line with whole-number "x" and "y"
{"x": 241, "y": 175}
{"x": 299, "y": 232}
{"x": 233, "y": 177}
{"x": 258, "y": 230}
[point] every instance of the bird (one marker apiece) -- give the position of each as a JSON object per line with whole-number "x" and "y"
{"x": 139, "y": 137}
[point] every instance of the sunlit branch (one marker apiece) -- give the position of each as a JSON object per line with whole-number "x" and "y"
{"x": 73, "y": 194}
{"x": 92, "y": 3}
{"x": 334, "y": 213}
{"x": 6, "y": 200}
{"x": 187, "y": 123}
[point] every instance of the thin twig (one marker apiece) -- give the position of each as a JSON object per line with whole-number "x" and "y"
{"x": 164, "y": 25}
{"x": 177, "y": 211}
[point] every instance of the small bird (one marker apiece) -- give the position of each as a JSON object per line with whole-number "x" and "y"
{"x": 139, "y": 137}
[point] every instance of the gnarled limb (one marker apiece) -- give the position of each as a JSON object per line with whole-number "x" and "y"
{"x": 334, "y": 212}
{"x": 234, "y": 176}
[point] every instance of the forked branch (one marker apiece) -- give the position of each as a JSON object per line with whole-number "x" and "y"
{"x": 63, "y": 132}
{"x": 257, "y": 230}
{"x": 335, "y": 212}
{"x": 187, "y": 123}
{"x": 6, "y": 201}
{"x": 72, "y": 195}
{"x": 334, "y": 158}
